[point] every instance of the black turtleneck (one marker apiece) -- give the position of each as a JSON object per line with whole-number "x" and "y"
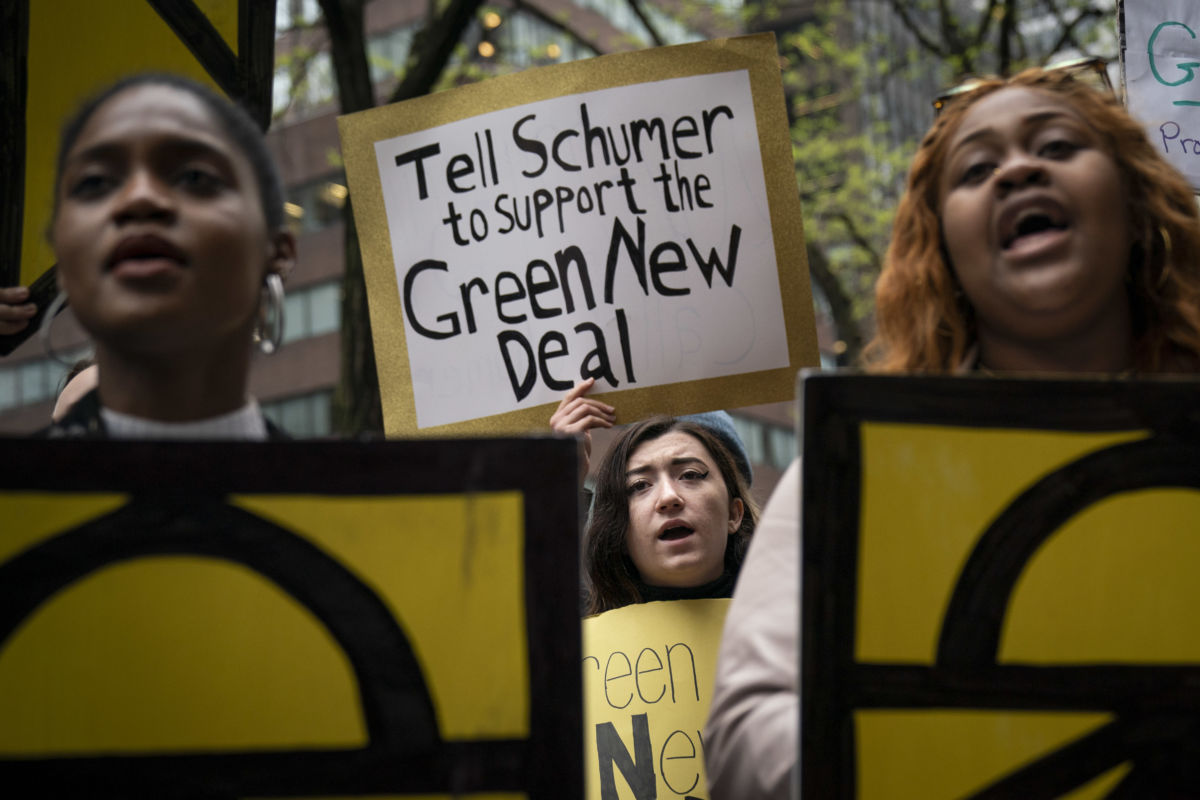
{"x": 721, "y": 587}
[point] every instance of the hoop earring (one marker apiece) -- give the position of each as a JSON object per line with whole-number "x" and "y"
{"x": 269, "y": 330}
{"x": 51, "y": 313}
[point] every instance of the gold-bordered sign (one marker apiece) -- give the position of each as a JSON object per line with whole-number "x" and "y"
{"x": 999, "y": 589}
{"x": 54, "y": 54}
{"x": 632, "y": 218}
{"x": 289, "y": 619}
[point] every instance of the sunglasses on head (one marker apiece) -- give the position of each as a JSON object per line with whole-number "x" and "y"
{"x": 1089, "y": 70}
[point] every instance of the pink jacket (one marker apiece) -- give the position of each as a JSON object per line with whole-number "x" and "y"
{"x": 753, "y": 730}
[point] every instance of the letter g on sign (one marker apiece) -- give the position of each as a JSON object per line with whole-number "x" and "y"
{"x": 1187, "y": 66}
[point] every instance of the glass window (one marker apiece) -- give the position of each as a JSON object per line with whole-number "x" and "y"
{"x": 295, "y": 13}
{"x": 56, "y": 373}
{"x": 318, "y": 80}
{"x": 388, "y": 53}
{"x": 281, "y": 91}
{"x": 32, "y": 382}
{"x": 313, "y": 311}
{"x": 325, "y": 309}
{"x": 295, "y": 316}
{"x": 752, "y": 436}
{"x": 317, "y": 204}
{"x": 304, "y": 416}
{"x": 783, "y": 446}
{"x": 8, "y": 388}
{"x": 322, "y": 413}
{"x": 295, "y": 417}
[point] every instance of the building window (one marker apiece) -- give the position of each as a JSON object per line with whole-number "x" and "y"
{"x": 316, "y": 205}
{"x": 527, "y": 41}
{"x": 751, "y": 434}
{"x": 8, "y": 389}
{"x": 296, "y": 13}
{"x": 33, "y": 381}
{"x": 782, "y": 445}
{"x": 672, "y": 30}
{"x": 766, "y": 443}
{"x": 388, "y": 52}
{"x": 305, "y": 416}
{"x": 303, "y": 81}
{"x": 312, "y": 311}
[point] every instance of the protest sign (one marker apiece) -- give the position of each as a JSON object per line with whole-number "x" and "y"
{"x": 1160, "y": 56}
{"x": 999, "y": 587}
{"x": 632, "y": 218}
{"x": 647, "y": 683}
{"x": 54, "y": 55}
{"x": 289, "y": 620}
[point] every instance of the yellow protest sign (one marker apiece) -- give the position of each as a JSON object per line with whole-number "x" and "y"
{"x": 632, "y": 218}
{"x": 283, "y": 620}
{"x": 57, "y": 53}
{"x": 647, "y": 683}
{"x": 999, "y": 597}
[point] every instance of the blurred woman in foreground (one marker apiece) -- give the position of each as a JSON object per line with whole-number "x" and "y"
{"x": 168, "y": 229}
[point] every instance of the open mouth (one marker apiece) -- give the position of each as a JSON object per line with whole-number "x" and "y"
{"x": 673, "y": 534}
{"x": 1033, "y": 222}
{"x": 145, "y": 249}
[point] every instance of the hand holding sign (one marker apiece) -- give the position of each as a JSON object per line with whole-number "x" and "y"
{"x": 577, "y": 413}
{"x": 15, "y": 310}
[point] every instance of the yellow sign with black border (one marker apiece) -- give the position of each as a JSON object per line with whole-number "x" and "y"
{"x": 999, "y": 587}
{"x": 289, "y": 619}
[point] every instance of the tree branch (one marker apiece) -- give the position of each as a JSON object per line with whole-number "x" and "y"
{"x": 840, "y": 307}
{"x": 433, "y": 47}
{"x": 1067, "y": 36}
{"x": 857, "y": 236}
{"x": 346, "y": 22}
{"x": 901, "y": 11}
{"x": 1004, "y": 46}
{"x": 559, "y": 24}
{"x": 985, "y": 24}
{"x": 636, "y": 7}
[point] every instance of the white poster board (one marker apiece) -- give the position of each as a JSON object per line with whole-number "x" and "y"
{"x": 1161, "y": 61}
{"x": 633, "y": 219}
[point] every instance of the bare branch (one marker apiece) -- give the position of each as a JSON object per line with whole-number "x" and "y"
{"x": 346, "y": 23}
{"x": 932, "y": 45}
{"x": 298, "y": 63}
{"x": 560, "y": 24}
{"x": 857, "y": 236}
{"x": 636, "y": 7}
{"x": 1008, "y": 24}
{"x": 1067, "y": 36}
{"x": 840, "y": 306}
{"x": 985, "y": 23}
{"x": 433, "y": 47}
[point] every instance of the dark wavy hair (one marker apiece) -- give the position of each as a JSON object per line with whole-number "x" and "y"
{"x": 611, "y": 574}
{"x": 234, "y": 120}
{"x": 924, "y": 321}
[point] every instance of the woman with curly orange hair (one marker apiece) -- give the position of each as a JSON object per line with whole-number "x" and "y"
{"x": 1041, "y": 231}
